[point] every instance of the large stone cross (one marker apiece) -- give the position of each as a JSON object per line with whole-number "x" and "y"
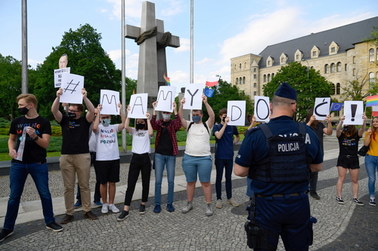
{"x": 152, "y": 41}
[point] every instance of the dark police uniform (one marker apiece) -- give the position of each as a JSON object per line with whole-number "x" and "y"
{"x": 281, "y": 202}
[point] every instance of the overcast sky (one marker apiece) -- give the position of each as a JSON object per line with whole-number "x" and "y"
{"x": 222, "y": 28}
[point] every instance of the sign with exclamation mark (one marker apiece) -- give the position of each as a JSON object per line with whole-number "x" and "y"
{"x": 353, "y": 111}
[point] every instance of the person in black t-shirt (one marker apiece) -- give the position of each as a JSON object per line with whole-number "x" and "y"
{"x": 75, "y": 158}
{"x": 29, "y": 136}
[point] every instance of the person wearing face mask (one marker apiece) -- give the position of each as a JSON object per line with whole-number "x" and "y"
{"x": 224, "y": 154}
{"x": 166, "y": 150}
{"x": 29, "y": 136}
{"x": 107, "y": 157}
{"x": 140, "y": 163}
{"x": 75, "y": 158}
{"x": 197, "y": 158}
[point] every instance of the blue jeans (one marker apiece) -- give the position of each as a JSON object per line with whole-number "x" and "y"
{"x": 221, "y": 164}
{"x": 371, "y": 164}
{"x": 18, "y": 175}
{"x": 168, "y": 161}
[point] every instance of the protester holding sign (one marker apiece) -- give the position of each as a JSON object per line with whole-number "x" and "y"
{"x": 371, "y": 158}
{"x": 75, "y": 158}
{"x": 107, "y": 157}
{"x": 140, "y": 162}
{"x": 348, "y": 137}
{"x": 32, "y": 133}
{"x": 224, "y": 156}
{"x": 319, "y": 129}
{"x": 166, "y": 150}
{"x": 197, "y": 159}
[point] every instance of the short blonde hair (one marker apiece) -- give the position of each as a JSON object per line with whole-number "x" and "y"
{"x": 29, "y": 98}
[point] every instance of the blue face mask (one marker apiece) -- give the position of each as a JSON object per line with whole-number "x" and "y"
{"x": 196, "y": 118}
{"x": 106, "y": 122}
{"x": 166, "y": 116}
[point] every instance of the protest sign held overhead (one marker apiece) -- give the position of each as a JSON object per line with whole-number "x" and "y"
{"x": 262, "y": 109}
{"x": 353, "y": 111}
{"x": 109, "y": 100}
{"x": 193, "y": 97}
{"x": 165, "y": 98}
{"x": 138, "y": 106}
{"x": 236, "y": 112}
{"x": 72, "y": 85}
{"x": 321, "y": 108}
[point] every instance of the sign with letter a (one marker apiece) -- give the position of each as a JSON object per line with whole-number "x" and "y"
{"x": 109, "y": 101}
{"x": 138, "y": 106}
{"x": 193, "y": 97}
{"x": 165, "y": 98}
{"x": 262, "y": 109}
{"x": 236, "y": 112}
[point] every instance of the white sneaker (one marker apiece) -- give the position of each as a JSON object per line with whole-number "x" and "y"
{"x": 219, "y": 204}
{"x": 233, "y": 202}
{"x": 104, "y": 208}
{"x": 187, "y": 208}
{"x": 113, "y": 208}
{"x": 209, "y": 210}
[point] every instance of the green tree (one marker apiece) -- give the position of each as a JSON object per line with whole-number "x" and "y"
{"x": 225, "y": 92}
{"x": 10, "y": 84}
{"x": 86, "y": 57}
{"x": 308, "y": 83}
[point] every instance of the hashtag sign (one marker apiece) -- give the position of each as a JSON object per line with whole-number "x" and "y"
{"x": 71, "y": 83}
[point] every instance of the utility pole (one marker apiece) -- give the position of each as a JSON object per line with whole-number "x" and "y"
{"x": 24, "y": 87}
{"x": 191, "y": 41}
{"x": 123, "y": 66}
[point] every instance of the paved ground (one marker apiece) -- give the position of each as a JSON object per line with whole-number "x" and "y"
{"x": 339, "y": 227}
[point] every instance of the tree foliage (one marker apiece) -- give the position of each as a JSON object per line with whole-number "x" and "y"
{"x": 225, "y": 92}
{"x": 308, "y": 83}
{"x": 86, "y": 57}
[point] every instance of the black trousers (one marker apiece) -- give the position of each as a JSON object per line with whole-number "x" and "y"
{"x": 140, "y": 163}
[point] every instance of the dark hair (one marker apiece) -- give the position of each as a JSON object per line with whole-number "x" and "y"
{"x": 310, "y": 112}
{"x": 79, "y": 107}
{"x": 349, "y": 130}
{"x": 145, "y": 123}
{"x": 222, "y": 111}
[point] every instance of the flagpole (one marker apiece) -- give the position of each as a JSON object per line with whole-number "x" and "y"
{"x": 123, "y": 65}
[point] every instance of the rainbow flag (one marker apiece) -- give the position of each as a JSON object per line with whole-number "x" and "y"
{"x": 211, "y": 84}
{"x": 167, "y": 80}
{"x": 371, "y": 100}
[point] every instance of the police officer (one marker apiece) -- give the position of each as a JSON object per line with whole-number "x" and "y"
{"x": 278, "y": 157}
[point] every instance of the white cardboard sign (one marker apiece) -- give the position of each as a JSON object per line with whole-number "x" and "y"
{"x": 321, "y": 108}
{"x": 193, "y": 97}
{"x": 236, "y": 112}
{"x": 58, "y": 75}
{"x": 262, "y": 109}
{"x": 165, "y": 98}
{"x": 353, "y": 111}
{"x": 109, "y": 100}
{"x": 138, "y": 106}
{"x": 72, "y": 85}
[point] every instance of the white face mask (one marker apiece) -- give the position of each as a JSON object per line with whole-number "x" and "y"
{"x": 166, "y": 116}
{"x": 105, "y": 122}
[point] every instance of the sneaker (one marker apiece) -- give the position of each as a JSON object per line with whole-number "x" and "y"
{"x": 54, "y": 227}
{"x": 105, "y": 208}
{"x": 359, "y": 203}
{"x": 340, "y": 200}
{"x": 123, "y": 215}
{"x": 209, "y": 210}
{"x": 187, "y": 208}
{"x": 90, "y": 215}
{"x": 142, "y": 209}
{"x": 5, "y": 233}
{"x": 157, "y": 209}
{"x": 67, "y": 219}
{"x": 219, "y": 204}
{"x": 233, "y": 203}
{"x": 113, "y": 208}
{"x": 77, "y": 204}
{"x": 372, "y": 202}
{"x": 170, "y": 208}
{"x": 97, "y": 203}
{"x": 314, "y": 195}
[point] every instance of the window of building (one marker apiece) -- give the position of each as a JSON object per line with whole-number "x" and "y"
{"x": 254, "y": 76}
{"x": 283, "y": 58}
{"x": 240, "y": 80}
{"x": 236, "y": 81}
{"x": 268, "y": 77}
{"x": 338, "y": 88}
{"x": 298, "y": 55}
{"x": 354, "y": 71}
{"x": 338, "y": 68}
{"x": 315, "y": 52}
{"x": 240, "y": 66}
{"x": 333, "y": 89}
{"x": 326, "y": 69}
{"x": 333, "y": 48}
{"x": 243, "y": 80}
{"x": 371, "y": 55}
{"x": 254, "y": 85}
{"x": 371, "y": 79}
{"x": 269, "y": 61}
{"x": 254, "y": 69}
{"x": 333, "y": 68}
{"x": 345, "y": 67}
{"x": 264, "y": 78}
{"x": 254, "y": 93}
{"x": 245, "y": 65}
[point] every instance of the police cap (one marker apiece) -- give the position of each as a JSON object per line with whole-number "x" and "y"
{"x": 286, "y": 91}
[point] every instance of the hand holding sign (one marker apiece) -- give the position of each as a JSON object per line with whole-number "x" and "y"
{"x": 236, "y": 112}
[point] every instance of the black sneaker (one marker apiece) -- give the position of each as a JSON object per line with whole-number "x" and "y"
{"x": 359, "y": 203}
{"x": 340, "y": 200}
{"x": 5, "y": 233}
{"x": 142, "y": 209}
{"x": 124, "y": 214}
{"x": 372, "y": 203}
{"x": 314, "y": 195}
{"x": 54, "y": 227}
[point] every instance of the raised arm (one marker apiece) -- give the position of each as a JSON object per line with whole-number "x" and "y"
{"x": 123, "y": 118}
{"x": 328, "y": 130}
{"x": 219, "y": 134}
{"x": 210, "y": 112}
{"x": 363, "y": 127}
{"x": 367, "y": 138}
{"x": 150, "y": 129}
{"x": 91, "y": 110}
{"x": 340, "y": 126}
{"x": 55, "y": 106}
{"x": 97, "y": 119}
{"x": 181, "y": 114}
{"x": 127, "y": 121}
